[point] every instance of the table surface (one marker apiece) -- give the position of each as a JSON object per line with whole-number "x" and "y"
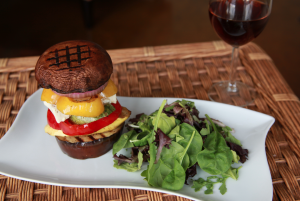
{"x": 183, "y": 71}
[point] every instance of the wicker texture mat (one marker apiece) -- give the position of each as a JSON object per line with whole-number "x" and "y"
{"x": 183, "y": 71}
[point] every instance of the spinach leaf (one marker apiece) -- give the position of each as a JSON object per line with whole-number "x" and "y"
{"x": 175, "y": 151}
{"x": 130, "y": 167}
{"x": 123, "y": 142}
{"x": 184, "y": 158}
{"x": 166, "y": 163}
{"x": 193, "y": 142}
{"x": 175, "y": 179}
{"x": 157, "y": 173}
{"x": 168, "y": 170}
{"x": 216, "y": 158}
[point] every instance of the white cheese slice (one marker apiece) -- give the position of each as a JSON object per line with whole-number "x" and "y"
{"x": 111, "y": 99}
{"x": 57, "y": 114}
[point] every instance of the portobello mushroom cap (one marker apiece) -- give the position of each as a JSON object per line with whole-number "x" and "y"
{"x": 73, "y": 67}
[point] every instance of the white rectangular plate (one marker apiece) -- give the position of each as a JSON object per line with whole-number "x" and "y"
{"x": 28, "y": 153}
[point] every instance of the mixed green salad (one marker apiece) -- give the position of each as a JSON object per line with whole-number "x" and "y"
{"x": 173, "y": 141}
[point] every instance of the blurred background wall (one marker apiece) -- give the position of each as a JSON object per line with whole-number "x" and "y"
{"x": 29, "y": 27}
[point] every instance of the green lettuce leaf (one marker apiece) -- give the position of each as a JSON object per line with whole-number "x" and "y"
{"x": 165, "y": 123}
{"x": 124, "y": 142}
{"x": 174, "y": 134}
{"x": 130, "y": 167}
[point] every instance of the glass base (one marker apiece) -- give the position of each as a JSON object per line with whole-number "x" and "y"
{"x": 238, "y": 94}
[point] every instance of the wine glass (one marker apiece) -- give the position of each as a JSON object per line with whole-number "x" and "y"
{"x": 237, "y": 22}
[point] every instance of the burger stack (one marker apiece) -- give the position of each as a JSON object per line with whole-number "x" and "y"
{"x": 83, "y": 112}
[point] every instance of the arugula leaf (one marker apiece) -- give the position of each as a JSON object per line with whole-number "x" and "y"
{"x": 130, "y": 167}
{"x": 210, "y": 187}
{"x": 232, "y": 139}
{"x": 199, "y": 184}
{"x": 209, "y": 184}
{"x": 123, "y": 142}
{"x": 223, "y": 188}
{"x": 216, "y": 158}
{"x": 232, "y": 172}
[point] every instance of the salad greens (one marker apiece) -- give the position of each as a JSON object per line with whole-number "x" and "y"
{"x": 173, "y": 141}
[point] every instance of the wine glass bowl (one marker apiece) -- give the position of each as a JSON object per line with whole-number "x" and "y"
{"x": 237, "y": 22}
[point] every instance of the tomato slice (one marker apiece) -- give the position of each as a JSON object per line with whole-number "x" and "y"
{"x": 52, "y": 121}
{"x": 69, "y": 128}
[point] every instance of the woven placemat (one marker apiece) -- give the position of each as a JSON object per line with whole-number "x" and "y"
{"x": 183, "y": 71}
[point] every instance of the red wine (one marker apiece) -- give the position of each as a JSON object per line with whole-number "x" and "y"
{"x": 238, "y": 23}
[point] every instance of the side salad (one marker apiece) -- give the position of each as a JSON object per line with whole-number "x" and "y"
{"x": 173, "y": 141}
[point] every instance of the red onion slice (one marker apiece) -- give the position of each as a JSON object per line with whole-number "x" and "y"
{"x": 85, "y": 94}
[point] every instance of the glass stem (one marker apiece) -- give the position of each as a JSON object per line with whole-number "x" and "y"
{"x": 234, "y": 62}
